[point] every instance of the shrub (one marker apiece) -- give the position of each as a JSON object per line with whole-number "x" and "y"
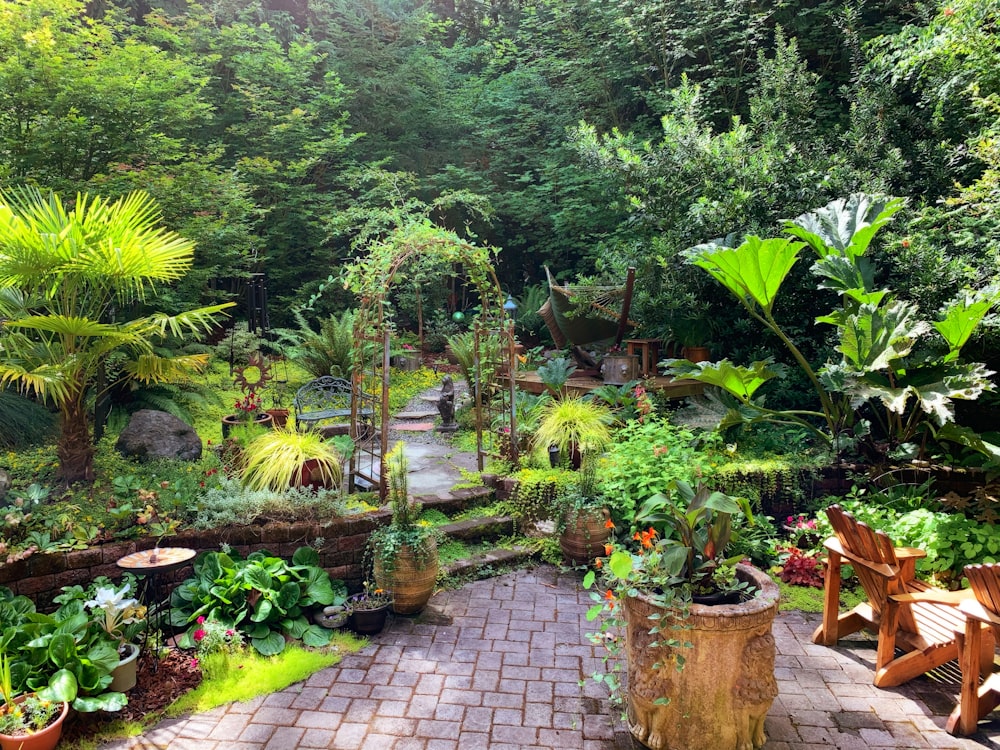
{"x": 647, "y": 456}
{"x": 23, "y": 422}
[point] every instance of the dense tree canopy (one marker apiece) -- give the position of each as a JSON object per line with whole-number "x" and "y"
{"x": 585, "y": 135}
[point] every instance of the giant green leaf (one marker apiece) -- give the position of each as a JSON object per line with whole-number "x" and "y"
{"x": 845, "y": 226}
{"x": 62, "y": 687}
{"x": 738, "y": 380}
{"x": 960, "y": 318}
{"x": 305, "y": 556}
{"x": 102, "y": 702}
{"x": 753, "y": 271}
{"x": 288, "y": 595}
{"x": 873, "y": 338}
{"x": 316, "y": 637}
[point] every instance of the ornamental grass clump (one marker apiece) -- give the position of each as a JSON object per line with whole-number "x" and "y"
{"x": 278, "y": 460}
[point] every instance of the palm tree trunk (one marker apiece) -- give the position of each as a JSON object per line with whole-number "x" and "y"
{"x": 75, "y": 449}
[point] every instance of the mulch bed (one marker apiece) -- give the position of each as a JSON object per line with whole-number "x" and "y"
{"x": 176, "y": 673}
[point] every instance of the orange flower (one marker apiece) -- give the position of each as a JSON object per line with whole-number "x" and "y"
{"x": 609, "y": 596}
{"x": 598, "y": 563}
{"x": 608, "y": 549}
{"x": 659, "y": 450}
{"x": 609, "y": 524}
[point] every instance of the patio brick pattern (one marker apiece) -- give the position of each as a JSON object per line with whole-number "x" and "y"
{"x": 498, "y": 665}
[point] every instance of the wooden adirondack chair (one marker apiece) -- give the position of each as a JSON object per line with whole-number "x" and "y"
{"x": 922, "y": 621}
{"x": 975, "y": 700}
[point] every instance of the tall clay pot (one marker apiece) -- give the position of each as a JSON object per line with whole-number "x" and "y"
{"x": 411, "y": 580}
{"x": 584, "y": 536}
{"x": 719, "y": 699}
{"x": 45, "y": 739}
{"x": 279, "y": 417}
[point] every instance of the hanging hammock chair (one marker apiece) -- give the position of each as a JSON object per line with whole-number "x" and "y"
{"x": 578, "y": 315}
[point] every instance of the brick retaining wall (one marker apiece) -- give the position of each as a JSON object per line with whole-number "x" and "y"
{"x": 41, "y": 576}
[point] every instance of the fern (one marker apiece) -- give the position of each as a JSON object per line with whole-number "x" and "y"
{"x": 23, "y": 422}
{"x": 329, "y": 352}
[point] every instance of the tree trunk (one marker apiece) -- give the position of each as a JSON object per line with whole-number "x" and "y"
{"x": 75, "y": 449}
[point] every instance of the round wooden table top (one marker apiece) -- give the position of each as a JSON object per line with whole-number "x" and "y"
{"x": 156, "y": 559}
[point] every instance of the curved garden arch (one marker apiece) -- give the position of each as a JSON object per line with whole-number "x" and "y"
{"x": 372, "y": 278}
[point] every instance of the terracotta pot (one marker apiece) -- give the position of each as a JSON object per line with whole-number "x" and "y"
{"x": 279, "y": 417}
{"x": 410, "y": 582}
{"x": 46, "y": 739}
{"x": 719, "y": 698}
{"x": 123, "y": 677}
{"x": 368, "y": 621}
{"x": 696, "y": 353}
{"x": 234, "y": 420}
{"x": 584, "y": 537}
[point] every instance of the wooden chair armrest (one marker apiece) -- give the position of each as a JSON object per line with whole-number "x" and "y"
{"x": 904, "y": 554}
{"x": 972, "y": 608}
{"x": 935, "y": 596}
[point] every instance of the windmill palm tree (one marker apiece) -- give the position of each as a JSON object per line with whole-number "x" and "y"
{"x": 64, "y": 272}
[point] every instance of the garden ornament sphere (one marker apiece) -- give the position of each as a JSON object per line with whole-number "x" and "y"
{"x": 458, "y": 316}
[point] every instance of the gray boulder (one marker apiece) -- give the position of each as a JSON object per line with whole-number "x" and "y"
{"x": 4, "y": 483}
{"x": 156, "y": 434}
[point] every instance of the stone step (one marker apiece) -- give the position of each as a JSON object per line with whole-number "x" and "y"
{"x": 509, "y": 556}
{"x": 428, "y": 414}
{"x": 474, "y": 529}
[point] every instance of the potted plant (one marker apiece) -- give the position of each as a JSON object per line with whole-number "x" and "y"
{"x": 123, "y": 619}
{"x": 367, "y": 610}
{"x": 404, "y": 552}
{"x": 700, "y": 676}
{"x": 570, "y": 427}
{"x": 584, "y": 521}
{"x": 283, "y": 458}
{"x": 27, "y": 722}
{"x": 248, "y": 409}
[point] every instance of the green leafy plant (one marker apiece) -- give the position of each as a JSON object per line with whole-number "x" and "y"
{"x": 65, "y": 656}
{"x": 574, "y": 425}
{"x": 406, "y": 531}
{"x": 886, "y": 356}
{"x": 328, "y": 352}
{"x": 277, "y": 459}
{"x": 265, "y": 597}
{"x": 555, "y": 372}
{"x": 647, "y": 457}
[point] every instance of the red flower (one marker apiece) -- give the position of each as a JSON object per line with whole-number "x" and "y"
{"x": 199, "y": 635}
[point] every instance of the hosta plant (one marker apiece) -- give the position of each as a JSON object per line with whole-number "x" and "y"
{"x": 265, "y": 597}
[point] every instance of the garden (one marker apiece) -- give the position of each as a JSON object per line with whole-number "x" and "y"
{"x": 698, "y": 339}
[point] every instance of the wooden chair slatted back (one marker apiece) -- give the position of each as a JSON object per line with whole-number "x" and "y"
{"x": 984, "y": 580}
{"x": 860, "y": 539}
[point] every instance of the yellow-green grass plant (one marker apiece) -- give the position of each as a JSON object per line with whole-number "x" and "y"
{"x": 276, "y": 459}
{"x": 574, "y": 424}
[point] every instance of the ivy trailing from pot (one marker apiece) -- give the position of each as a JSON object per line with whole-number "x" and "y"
{"x": 676, "y": 696}
{"x": 404, "y": 552}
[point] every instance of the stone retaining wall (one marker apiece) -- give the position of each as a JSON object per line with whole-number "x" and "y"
{"x": 42, "y": 576}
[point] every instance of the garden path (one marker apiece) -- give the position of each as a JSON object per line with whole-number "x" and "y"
{"x": 434, "y": 463}
{"x": 497, "y": 665}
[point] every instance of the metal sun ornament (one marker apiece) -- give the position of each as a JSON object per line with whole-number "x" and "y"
{"x": 254, "y": 374}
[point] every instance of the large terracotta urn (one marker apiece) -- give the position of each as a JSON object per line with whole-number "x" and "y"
{"x": 719, "y": 698}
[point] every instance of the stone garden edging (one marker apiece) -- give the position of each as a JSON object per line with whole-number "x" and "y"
{"x": 41, "y": 576}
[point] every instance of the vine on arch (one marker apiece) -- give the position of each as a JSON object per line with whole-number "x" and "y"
{"x": 372, "y": 276}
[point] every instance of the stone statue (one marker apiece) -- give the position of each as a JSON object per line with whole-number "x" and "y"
{"x": 446, "y": 406}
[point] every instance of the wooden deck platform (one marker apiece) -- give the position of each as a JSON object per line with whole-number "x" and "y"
{"x": 581, "y": 386}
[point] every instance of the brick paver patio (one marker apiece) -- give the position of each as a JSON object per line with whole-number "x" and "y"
{"x": 498, "y": 664}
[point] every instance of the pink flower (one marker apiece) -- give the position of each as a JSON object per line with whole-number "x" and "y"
{"x": 194, "y": 663}
{"x": 200, "y": 620}
{"x": 199, "y": 634}
{"x": 230, "y": 633}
